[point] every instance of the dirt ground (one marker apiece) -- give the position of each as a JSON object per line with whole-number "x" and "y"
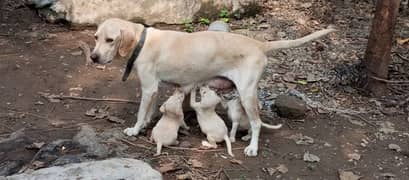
{"x": 39, "y": 57}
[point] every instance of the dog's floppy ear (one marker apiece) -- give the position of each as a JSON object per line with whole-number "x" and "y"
{"x": 126, "y": 43}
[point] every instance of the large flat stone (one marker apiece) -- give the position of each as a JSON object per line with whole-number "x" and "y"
{"x": 116, "y": 168}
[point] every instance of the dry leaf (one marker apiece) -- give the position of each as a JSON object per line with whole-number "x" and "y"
{"x": 282, "y": 168}
{"x": 36, "y": 145}
{"x": 311, "y": 157}
{"x": 167, "y": 167}
{"x": 195, "y": 163}
{"x": 347, "y": 175}
{"x": 115, "y": 119}
{"x": 236, "y": 161}
{"x": 354, "y": 157}
{"x": 184, "y": 176}
{"x": 401, "y": 41}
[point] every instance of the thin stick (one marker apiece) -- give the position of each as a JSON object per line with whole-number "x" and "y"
{"x": 364, "y": 120}
{"x": 191, "y": 149}
{"x": 389, "y": 81}
{"x": 115, "y": 100}
{"x": 133, "y": 144}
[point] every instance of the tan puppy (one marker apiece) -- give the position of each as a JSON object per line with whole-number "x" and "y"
{"x": 165, "y": 132}
{"x": 240, "y": 120}
{"x": 187, "y": 59}
{"x": 210, "y": 123}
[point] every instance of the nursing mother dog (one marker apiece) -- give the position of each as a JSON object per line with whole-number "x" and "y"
{"x": 186, "y": 59}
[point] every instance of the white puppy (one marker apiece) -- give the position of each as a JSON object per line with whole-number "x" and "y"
{"x": 165, "y": 132}
{"x": 240, "y": 120}
{"x": 210, "y": 123}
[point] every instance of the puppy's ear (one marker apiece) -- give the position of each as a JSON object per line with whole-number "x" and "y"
{"x": 128, "y": 39}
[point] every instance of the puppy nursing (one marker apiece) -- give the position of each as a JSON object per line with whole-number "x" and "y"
{"x": 240, "y": 120}
{"x": 210, "y": 123}
{"x": 165, "y": 132}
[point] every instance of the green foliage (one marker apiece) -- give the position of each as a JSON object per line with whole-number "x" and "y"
{"x": 204, "y": 21}
{"x": 226, "y": 20}
{"x": 224, "y": 13}
{"x": 188, "y": 26}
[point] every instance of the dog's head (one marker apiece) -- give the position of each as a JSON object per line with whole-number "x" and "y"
{"x": 209, "y": 97}
{"x": 115, "y": 36}
{"x": 173, "y": 106}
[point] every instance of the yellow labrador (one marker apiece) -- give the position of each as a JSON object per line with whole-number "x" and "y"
{"x": 190, "y": 58}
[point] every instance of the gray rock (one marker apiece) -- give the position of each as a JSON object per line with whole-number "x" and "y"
{"x": 290, "y": 107}
{"x": 219, "y": 26}
{"x": 68, "y": 159}
{"x": 147, "y": 11}
{"x": 88, "y": 138}
{"x": 116, "y": 168}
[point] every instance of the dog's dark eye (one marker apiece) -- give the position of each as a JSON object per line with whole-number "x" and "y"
{"x": 96, "y": 37}
{"x": 109, "y": 40}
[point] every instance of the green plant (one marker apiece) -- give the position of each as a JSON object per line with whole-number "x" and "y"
{"x": 204, "y": 21}
{"x": 224, "y": 13}
{"x": 188, "y": 26}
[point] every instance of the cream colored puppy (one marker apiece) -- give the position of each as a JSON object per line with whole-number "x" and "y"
{"x": 240, "y": 120}
{"x": 210, "y": 123}
{"x": 165, "y": 132}
{"x": 187, "y": 59}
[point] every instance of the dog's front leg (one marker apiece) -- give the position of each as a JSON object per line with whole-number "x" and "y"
{"x": 145, "y": 108}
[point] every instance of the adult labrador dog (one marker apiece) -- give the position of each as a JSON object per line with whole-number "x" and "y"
{"x": 186, "y": 59}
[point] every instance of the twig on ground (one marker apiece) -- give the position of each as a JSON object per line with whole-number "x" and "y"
{"x": 218, "y": 173}
{"x": 115, "y": 100}
{"x": 133, "y": 144}
{"x": 190, "y": 149}
{"x": 227, "y": 175}
{"x": 401, "y": 56}
{"x": 389, "y": 81}
{"x": 364, "y": 120}
{"x": 87, "y": 52}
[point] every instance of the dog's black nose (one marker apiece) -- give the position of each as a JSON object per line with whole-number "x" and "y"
{"x": 94, "y": 57}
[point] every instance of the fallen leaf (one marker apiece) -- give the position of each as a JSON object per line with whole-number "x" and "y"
{"x": 195, "y": 163}
{"x": 115, "y": 119}
{"x": 388, "y": 175}
{"x": 394, "y": 147}
{"x": 184, "y": 176}
{"x": 92, "y": 112}
{"x": 236, "y": 161}
{"x": 270, "y": 170}
{"x": 354, "y": 157}
{"x": 36, "y": 145}
{"x": 301, "y": 139}
{"x": 401, "y": 41}
{"x": 167, "y": 167}
{"x": 302, "y": 82}
{"x": 310, "y": 157}
{"x": 347, "y": 175}
{"x": 282, "y": 168}
{"x": 38, "y": 164}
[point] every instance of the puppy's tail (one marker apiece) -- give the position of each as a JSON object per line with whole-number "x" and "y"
{"x": 285, "y": 44}
{"x": 278, "y": 126}
{"x": 228, "y": 144}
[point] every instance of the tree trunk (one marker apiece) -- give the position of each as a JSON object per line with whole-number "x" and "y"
{"x": 378, "y": 52}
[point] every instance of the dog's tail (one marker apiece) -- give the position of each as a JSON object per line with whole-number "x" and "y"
{"x": 228, "y": 144}
{"x": 278, "y": 126}
{"x": 285, "y": 44}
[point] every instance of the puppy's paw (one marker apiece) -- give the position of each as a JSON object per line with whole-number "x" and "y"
{"x": 246, "y": 137}
{"x": 251, "y": 150}
{"x": 232, "y": 139}
{"x": 131, "y": 131}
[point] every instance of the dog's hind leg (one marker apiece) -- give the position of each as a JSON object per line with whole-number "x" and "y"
{"x": 246, "y": 80}
{"x": 158, "y": 149}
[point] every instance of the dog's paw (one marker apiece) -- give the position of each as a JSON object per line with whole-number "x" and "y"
{"x": 232, "y": 139}
{"x": 251, "y": 150}
{"x": 131, "y": 131}
{"x": 246, "y": 137}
